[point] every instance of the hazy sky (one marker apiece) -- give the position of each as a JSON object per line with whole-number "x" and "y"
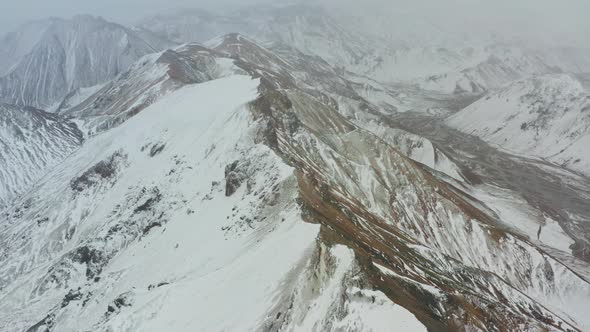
{"x": 15, "y": 12}
{"x": 543, "y": 19}
{"x": 550, "y": 21}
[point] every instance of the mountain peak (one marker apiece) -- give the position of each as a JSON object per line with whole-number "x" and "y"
{"x": 82, "y": 52}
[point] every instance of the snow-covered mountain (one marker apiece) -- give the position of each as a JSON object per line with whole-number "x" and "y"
{"x": 313, "y": 31}
{"x": 307, "y": 28}
{"x": 45, "y": 60}
{"x": 147, "y": 80}
{"x": 31, "y": 143}
{"x": 453, "y": 67}
{"x": 205, "y": 139}
{"x": 249, "y": 193}
{"x": 545, "y": 116}
{"x": 157, "y": 74}
{"x": 502, "y": 64}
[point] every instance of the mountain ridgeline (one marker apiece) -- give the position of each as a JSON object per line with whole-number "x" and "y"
{"x": 296, "y": 176}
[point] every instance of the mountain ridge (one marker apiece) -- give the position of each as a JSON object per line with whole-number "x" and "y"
{"x": 300, "y": 174}
{"x": 245, "y": 171}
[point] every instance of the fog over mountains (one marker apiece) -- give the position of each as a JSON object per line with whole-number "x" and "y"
{"x": 308, "y": 166}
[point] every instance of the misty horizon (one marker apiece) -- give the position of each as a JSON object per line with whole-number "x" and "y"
{"x": 534, "y": 22}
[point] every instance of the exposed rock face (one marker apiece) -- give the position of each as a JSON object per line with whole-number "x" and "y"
{"x": 102, "y": 171}
{"x": 235, "y": 175}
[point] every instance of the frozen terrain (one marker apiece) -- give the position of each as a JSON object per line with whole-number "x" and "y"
{"x": 220, "y": 252}
{"x": 306, "y": 174}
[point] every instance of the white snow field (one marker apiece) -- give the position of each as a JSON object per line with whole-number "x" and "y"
{"x": 546, "y": 117}
{"x": 199, "y": 263}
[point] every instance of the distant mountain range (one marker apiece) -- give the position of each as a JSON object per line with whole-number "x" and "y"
{"x": 45, "y": 60}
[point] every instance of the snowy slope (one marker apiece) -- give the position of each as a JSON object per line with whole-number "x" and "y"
{"x": 223, "y": 259}
{"x": 353, "y": 169}
{"x": 31, "y": 143}
{"x": 546, "y": 117}
{"x": 157, "y": 74}
{"x": 144, "y": 83}
{"x": 75, "y": 98}
{"x": 48, "y": 59}
{"x": 417, "y": 148}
